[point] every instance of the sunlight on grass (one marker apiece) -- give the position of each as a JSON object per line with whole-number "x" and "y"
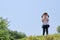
{"x": 48, "y": 37}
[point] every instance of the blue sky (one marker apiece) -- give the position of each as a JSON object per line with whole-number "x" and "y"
{"x": 25, "y": 15}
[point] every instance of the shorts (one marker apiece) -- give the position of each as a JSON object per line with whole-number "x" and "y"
{"x": 45, "y": 26}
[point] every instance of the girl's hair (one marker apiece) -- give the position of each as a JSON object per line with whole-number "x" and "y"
{"x": 45, "y": 14}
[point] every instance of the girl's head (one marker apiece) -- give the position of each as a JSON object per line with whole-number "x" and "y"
{"x": 46, "y": 14}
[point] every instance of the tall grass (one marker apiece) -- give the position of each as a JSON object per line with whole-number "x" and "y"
{"x": 48, "y": 37}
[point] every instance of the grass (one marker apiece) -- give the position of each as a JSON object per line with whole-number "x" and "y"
{"x": 48, "y": 37}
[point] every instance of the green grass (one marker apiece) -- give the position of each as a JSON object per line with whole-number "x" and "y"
{"x": 48, "y": 37}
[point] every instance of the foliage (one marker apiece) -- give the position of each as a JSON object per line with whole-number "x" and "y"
{"x": 58, "y": 29}
{"x": 16, "y": 35}
{"x": 4, "y": 34}
{"x": 48, "y": 37}
{"x": 3, "y": 23}
{"x": 7, "y": 34}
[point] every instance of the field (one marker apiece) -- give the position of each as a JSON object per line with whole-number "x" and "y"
{"x": 48, "y": 37}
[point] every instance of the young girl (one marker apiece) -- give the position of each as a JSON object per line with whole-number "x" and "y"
{"x": 45, "y": 21}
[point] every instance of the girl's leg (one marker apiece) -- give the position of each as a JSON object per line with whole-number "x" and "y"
{"x": 43, "y": 31}
{"x": 47, "y": 30}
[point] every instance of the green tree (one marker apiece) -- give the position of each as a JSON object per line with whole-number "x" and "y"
{"x": 16, "y": 35}
{"x": 3, "y": 23}
{"x": 7, "y": 34}
{"x": 4, "y": 34}
{"x": 58, "y": 29}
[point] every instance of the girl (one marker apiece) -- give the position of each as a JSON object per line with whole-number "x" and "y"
{"x": 45, "y": 20}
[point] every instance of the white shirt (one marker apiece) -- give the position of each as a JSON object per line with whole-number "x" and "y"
{"x": 45, "y": 20}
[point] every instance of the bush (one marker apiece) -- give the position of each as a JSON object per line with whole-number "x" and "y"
{"x": 58, "y": 29}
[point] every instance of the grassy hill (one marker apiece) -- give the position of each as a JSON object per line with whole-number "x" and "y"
{"x": 48, "y": 37}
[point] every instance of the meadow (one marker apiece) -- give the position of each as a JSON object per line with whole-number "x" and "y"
{"x": 48, "y": 37}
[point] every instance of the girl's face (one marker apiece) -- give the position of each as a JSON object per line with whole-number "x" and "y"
{"x": 45, "y": 16}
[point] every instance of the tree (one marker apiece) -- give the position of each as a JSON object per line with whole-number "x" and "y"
{"x": 7, "y": 34}
{"x": 3, "y": 23}
{"x": 58, "y": 29}
{"x": 4, "y": 34}
{"x": 16, "y": 35}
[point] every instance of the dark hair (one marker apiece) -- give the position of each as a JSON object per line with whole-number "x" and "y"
{"x": 45, "y": 14}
